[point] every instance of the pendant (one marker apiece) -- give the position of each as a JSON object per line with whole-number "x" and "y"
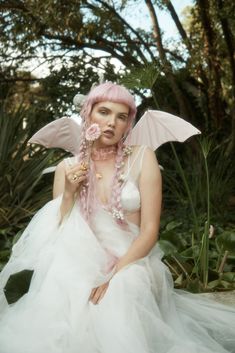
{"x": 98, "y": 176}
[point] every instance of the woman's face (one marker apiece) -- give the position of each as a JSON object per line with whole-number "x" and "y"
{"x": 113, "y": 120}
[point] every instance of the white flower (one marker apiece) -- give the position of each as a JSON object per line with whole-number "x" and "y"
{"x": 78, "y": 101}
{"x": 211, "y": 231}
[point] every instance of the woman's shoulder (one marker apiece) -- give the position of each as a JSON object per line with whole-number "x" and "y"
{"x": 61, "y": 167}
{"x": 137, "y": 147}
{"x": 146, "y": 157}
{"x": 141, "y": 150}
{"x": 66, "y": 162}
{"x": 139, "y": 157}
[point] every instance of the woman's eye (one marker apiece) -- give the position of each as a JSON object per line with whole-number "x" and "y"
{"x": 123, "y": 117}
{"x": 103, "y": 112}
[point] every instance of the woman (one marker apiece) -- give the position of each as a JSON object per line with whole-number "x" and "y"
{"x": 99, "y": 285}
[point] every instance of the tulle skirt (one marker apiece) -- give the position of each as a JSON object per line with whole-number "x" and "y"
{"x": 141, "y": 312}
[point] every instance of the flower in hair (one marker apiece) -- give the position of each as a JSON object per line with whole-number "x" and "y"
{"x": 93, "y": 132}
{"x": 78, "y": 101}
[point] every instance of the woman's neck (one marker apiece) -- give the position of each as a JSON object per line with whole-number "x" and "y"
{"x": 103, "y": 153}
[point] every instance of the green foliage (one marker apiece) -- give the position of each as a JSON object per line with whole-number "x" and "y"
{"x": 24, "y": 189}
{"x": 226, "y": 242}
{"x": 221, "y": 174}
{"x": 142, "y": 77}
{"x": 200, "y": 256}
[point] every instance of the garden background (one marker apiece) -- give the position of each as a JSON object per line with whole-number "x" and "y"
{"x": 52, "y": 49}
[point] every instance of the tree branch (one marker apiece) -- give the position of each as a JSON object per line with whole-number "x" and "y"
{"x": 106, "y": 46}
{"x": 20, "y": 79}
{"x": 178, "y": 24}
{"x": 68, "y": 41}
{"x": 126, "y": 24}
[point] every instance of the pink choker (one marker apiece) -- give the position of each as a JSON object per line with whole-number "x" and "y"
{"x": 101, "y": 154}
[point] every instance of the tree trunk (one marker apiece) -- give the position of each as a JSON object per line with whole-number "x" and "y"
{"x": 184, "y": 36}
{"x": 165, "y": 63}
{"x": 214, "y": 70}
{"x": 229, "y": 41}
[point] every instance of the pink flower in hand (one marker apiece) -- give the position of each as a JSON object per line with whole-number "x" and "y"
{"x": 93, "y": 132}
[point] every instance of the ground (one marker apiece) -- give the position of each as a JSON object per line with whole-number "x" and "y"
{"x": 222, "y": 297}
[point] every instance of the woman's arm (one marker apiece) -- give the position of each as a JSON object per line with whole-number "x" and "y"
{"x": 65, "y": 185}
{"x": 59, "y": 180}
{"x": 150, "y": 185}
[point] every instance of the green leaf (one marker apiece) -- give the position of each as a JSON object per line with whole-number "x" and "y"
{"x": 191, "y": 252}
{"x": 167, "y": 247}
{"x": 213, "y": 284}
{"x": 179, "y": 280}
{"x": 173, "y": 225}
{"x": 226, "y": 240}
{"x": 225, "y": 284}
{"x": 194, "y": 286}
{"x": 228, "y": 276}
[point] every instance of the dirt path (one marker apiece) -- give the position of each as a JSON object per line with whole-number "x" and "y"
{"x": 222, "y": 297}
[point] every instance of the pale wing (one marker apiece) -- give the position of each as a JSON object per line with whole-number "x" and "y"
{"x": 62, "y": 133}
{"x": 156, "y": 127}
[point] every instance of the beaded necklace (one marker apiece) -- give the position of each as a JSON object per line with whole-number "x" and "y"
{"x": 102, "y": 154}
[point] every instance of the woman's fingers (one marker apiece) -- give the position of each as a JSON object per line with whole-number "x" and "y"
{"x": 76, "y": 174}
{"x": 78, "y": 168}
{"x": 102, "y": 294}
{"x": 98, "y": 293}
{"x": 76, "y": 177}
{"x": 92, "y": 293}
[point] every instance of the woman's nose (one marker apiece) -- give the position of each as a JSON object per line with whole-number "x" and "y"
{"x": 112, "y": 121}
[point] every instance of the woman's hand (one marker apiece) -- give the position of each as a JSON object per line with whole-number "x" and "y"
{"x": 67, "y": 182}
{"x": 74, "y": 177}
{"x": 98, "y": 293}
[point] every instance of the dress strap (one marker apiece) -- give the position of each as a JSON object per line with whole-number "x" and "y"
{"x": 142, "y": 156}
{"x": 70, "y": 161}
{"x": 139, "y": 154}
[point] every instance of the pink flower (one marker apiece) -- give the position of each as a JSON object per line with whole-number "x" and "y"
{"x": 93, "y": 132}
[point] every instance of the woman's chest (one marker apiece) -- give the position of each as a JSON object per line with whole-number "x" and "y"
{"x": 110, "y": 183}
{"x": 104, "y": 175}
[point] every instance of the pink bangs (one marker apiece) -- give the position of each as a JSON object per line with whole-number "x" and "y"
{"x": 108, "y": 91}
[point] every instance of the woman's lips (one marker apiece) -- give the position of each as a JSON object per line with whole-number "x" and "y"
{"x": 108, "y": 133}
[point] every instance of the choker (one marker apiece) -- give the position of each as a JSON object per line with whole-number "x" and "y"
{"x": 101, "y": 154}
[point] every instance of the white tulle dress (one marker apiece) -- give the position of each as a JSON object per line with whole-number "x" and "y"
{"x": 141, "y": 312}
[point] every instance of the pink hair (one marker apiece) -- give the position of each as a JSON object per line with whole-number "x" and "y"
{"x": 118, "y": 94}
{"x": 108, "y": 91}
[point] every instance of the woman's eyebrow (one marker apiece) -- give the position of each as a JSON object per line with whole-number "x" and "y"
{"x": 104, "y": 108}
{"x": 119, "y": 113}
